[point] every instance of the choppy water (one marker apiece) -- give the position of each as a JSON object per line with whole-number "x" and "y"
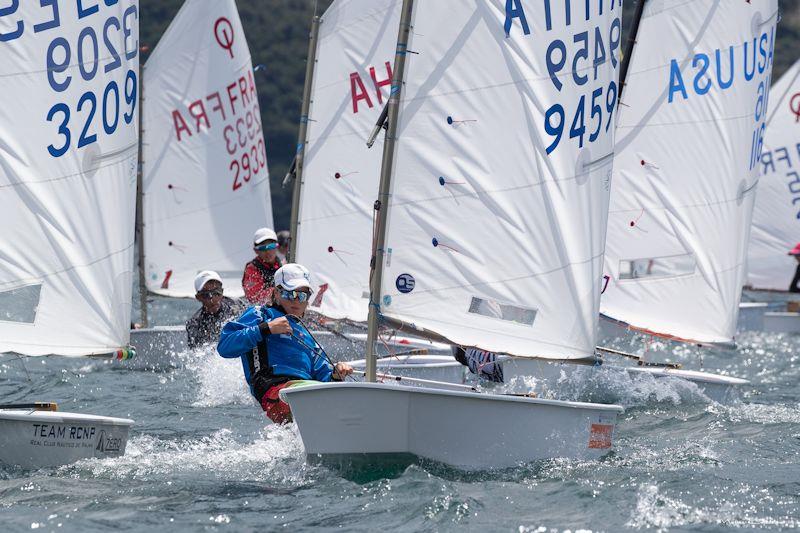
{"x": 202, "y": 457}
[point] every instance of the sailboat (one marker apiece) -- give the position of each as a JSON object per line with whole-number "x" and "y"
{"x": 205, "y": 185}
{"x": 345, "y": 90}
{"x": 776, "y": 224}
{"x": 68, "y": 145}
{"x": 490, "y": 231}
{"x": 686, "y": 168}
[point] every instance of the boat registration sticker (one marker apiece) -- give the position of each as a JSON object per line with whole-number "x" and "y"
{"x": 600, "y": 436}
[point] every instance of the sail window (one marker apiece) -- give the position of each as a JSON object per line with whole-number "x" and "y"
{"x": 20, "y": 304}
{"x": 657, "y": 267}
{"x": 507, "y": 312}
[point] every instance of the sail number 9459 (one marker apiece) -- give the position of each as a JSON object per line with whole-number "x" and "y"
{"x": 555, "y": 119}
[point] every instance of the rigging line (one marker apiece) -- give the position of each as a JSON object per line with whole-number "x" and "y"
{"x": 318, "y": 349}
{"x": 333, "y": 331}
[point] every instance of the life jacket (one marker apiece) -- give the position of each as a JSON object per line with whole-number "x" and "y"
{"x": 267, "y": 272}
{"x": 263, "y": 375}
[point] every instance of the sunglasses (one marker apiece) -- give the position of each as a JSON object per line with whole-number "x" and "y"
{"x": 265, "y": 247}
{"x": 207, "y": 295}
{"x": 300, "y": 296}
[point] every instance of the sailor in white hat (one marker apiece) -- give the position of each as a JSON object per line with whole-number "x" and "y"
{"x": 259, "y": 273}
{"x": 275, "y": 347}
{"x": 204, "y": 326}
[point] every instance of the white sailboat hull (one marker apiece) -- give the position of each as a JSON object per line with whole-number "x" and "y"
{"x": 467, "y": 430}
{"x": 35, "y": 439}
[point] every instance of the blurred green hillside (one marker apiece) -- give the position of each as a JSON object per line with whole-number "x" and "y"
{"x": 277, "y": 32}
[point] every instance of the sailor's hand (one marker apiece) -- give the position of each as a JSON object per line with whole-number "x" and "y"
{"x": 279, "y": 326}
{"x": 342, "y": 370}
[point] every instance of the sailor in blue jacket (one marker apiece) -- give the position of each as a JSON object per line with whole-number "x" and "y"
{"x": 276, "y": 350}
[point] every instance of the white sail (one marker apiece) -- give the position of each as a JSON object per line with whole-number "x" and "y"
{"x": 353, "y": 74}
{"x": 776, "y": 218}
{"x": 497, "y": 215}
{"x": 206, "y": 181}
{"x": 689, "y": 138}
{"x": 68, "y": 149}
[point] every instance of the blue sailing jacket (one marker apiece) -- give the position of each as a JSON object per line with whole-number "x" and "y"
{"x": 265, "y": 358}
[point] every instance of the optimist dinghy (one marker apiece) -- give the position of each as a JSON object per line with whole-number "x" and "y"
{"x": 490, "y": 231}
{"x": 68, "y": 190}
{"x": 348, "y": 81}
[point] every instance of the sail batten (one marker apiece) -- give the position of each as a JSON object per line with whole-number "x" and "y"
{"x": 686, "y": 167}
{"x": 206, "y": 175}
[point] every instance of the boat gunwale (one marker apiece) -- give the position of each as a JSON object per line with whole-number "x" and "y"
{"x": 27, "y": 415}
{"x": 441, "y": 392}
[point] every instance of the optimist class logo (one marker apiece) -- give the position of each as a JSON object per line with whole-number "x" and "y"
{"x": 405, "y": 283}
{"x": 223, "y": 33}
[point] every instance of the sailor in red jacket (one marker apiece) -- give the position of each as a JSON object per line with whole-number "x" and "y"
{"x": 259, "y": 273}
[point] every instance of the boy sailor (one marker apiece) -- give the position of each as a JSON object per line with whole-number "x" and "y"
{"x": 276, "y": 349}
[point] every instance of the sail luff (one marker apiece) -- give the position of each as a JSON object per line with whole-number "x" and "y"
{"x": 302, "y": 136}
{"x": 140, "y": 247}
{"x": 382, "y": 204}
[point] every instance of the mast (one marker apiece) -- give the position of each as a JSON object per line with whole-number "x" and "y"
{"x": 626, "y": 61}
{"x": 301, "y": 136}
{"x": 140, "y": 204}
{"x": 382, "y": 204}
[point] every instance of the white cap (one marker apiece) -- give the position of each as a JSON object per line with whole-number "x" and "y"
{"x": 292, "y": 276}
{"x": 204, "y": 277}
{"x": 264, "y": 234}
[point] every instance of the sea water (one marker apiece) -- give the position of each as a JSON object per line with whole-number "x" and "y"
{"x": 202, "y": 456}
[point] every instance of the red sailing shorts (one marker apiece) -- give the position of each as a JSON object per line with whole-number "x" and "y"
{"x": 277, "y": 410}
{"x": 271, "y": 403}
